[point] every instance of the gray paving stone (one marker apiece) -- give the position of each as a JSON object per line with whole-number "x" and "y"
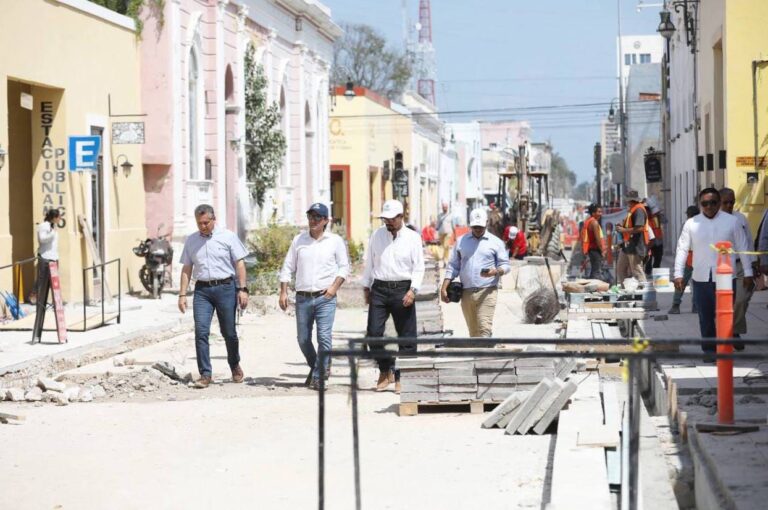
{"x": 418, "y": 373}
{"x": 539, "y": 371}
{"x": 565, "y": 367}
{"x": 458, "y": 388}
{"x": 510, "y": 404}
{"x": 454, "y": 397}
{"x": 495, "y": 364}
{"x": 535, "y": 362}
{"x": 418, "y": 397}
{"x": 424, "y": 363}
{"x": 522, "y": 412}
{"x": 411, "y": 386}
{"x": 555, "y": 407}
{"x": 47, "y": 383}
{"x": 492, "y": 392}
{"x": 457, "y": 379}
{"x": 497, "y": 378}
{"x": 456, "y": 372}
{"x": 537, "y": 412}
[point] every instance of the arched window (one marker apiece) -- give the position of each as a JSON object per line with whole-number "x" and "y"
{"x": 192, "y": 117}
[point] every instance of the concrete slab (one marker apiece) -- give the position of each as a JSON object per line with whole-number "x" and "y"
{"x": 537, "y": 412}
{"x": 521, "y": 413}
{"x": 506, "y": 407}
{"x": 551, "y": 414}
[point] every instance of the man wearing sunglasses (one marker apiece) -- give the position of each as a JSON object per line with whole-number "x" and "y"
{"x": 698, "y": 235}
{"x": 742, "y": 292}
{"x": 319, "y": 261}
{"x": 394, "y": 269}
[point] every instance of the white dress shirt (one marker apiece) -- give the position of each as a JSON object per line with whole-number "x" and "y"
{"x": 699, "y": 235}
{"x": 316, "y": 262}
{"x": 391, "y": 260}
{"x": 48, "y": 239}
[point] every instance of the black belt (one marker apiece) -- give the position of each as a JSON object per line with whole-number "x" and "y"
{"x": 305, "y": 293}
{"x": 400, "y": 284}
{"x": 213, "y": 283}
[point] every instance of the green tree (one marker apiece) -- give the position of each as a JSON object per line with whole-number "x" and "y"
{"x": 582, "y": 191}
{"x": 363, "y": 57}
{"x": 264, "y": 142}
{"x": 132, "y": 9}
{"x": 562, "y": 178}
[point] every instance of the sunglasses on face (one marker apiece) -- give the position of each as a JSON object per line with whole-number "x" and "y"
{"x": 315, "y": 217}
{"x": 709, "y": 203}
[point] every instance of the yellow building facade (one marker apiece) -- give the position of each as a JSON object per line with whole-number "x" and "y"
{"x": 733, "y": 86}
{"x": 70, "y": 68}
{"x": 364, "y": 133}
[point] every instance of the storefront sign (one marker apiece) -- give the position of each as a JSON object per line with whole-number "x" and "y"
{"x": 54, "y": 166}
{"x": 127, "y": 132}
{"x": 749, "y": 161}
{"x": 58, "y": 305}
{"x": 83, "y": 153}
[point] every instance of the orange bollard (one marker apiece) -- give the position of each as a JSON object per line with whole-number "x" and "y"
{"x": 724, "y": 327}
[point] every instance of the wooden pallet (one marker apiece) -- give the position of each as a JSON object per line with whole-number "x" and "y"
{"x": 473, "y": 406}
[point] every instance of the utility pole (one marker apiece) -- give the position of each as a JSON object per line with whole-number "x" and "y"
{"x": 599, "y": 178}
{"x": 622, "y": 107}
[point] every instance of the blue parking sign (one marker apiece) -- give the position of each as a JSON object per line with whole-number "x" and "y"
{"x": 84, "y": 152}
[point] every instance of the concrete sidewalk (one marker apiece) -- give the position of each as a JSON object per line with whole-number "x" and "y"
{"x": 731, "y": 471}
{"x": 140, "y": 317}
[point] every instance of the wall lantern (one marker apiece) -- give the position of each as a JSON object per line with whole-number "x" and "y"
{"x": 127, "y": 166}
{"x": 666, "y": 28}
{"x": 350, "y": 89}
{"x": 3, "y": 152}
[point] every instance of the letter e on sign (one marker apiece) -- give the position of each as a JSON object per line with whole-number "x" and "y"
{"x": 84, "y": 152}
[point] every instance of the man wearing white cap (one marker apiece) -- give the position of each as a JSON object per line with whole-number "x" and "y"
{"x": 394, "y": 269}
{"x": 478, "y": 259}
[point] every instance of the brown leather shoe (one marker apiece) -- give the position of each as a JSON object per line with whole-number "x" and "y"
{"x": 237, "y": 374}
{"x": 397, "y": 387}
{"x": 203, "y": 382}
{"x": 383, "y": 382}
{"x": 391, "y": 376}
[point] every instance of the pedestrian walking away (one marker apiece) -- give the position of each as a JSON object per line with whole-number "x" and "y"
{"x": 761, "y": 244}
{"x": 656, "y": 246}
{"x": 47, "y": 252}
{"x": 394, "y": 270}
{"x": 635, "y": 237}
{"x": 742, "y": 292}
{"x": 593, "y": 243}
{"x": 213, "y": 257}
{"x": 319, "y": 261}
{"x": 677, "y": 298}
{"x": 445, "y": 230}
{"x": 479, "y": 259}
{"x": 698, "y": 235}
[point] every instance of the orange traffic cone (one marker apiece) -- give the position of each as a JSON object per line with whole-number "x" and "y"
{"x": 724, "y": 328}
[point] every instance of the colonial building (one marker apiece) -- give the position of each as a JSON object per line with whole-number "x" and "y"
{"x": 71, "y": 68}
{"x": 193, "y": 87}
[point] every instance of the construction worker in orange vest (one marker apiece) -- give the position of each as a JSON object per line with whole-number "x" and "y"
{"x": 656, "y": 248}
{"x": 593, "y": 243}
{"x": 634, "y": 231}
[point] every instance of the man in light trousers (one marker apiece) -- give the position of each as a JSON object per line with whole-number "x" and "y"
{"x": 319, "y": 260}
{"x": 478, "y": 259}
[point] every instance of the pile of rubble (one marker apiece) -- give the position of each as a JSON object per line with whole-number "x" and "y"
{"x": 161, "y": 375}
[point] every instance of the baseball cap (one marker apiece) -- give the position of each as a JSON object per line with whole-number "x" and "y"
{"x": 391, "y": 209}
{"x": 319, "y": 209}
{"x": 513, "y": 231}
{"x": 478, "y": 218}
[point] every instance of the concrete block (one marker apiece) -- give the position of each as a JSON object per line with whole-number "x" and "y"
{"x": 457, "y": 379}
{"x": 536, "y": 371}
{"x": 86, "y": 396}
{"x": 458, "y": 388}
{"x": 410, "y": 386}
{"x": 414, "y": 363}
{"x": 418, "y": 396}
{"x": 529, "y": 379}
{"x": 485, "y": 391}
{"x": 522, "y": 412}
{"x": 555, "y": 407}
{"x": 456, "y": 372}
{"x": 72, "y": 393}
{"x": 497, "y": 378}
{"x": 34, "y": 395}
{"x": 98, "y": 391}
{"x": 495, "y": 364}
{"x": 535, "y": 362}
{"x": 413, "y": 373}
{"x": 510, "y": 404}
{"x": 14, "y": 394}
{"x": 537, "y": 412}
{"x": 564, "y": 368}
{"x": 48, "y": 384}
{"x": 454, "y": 397}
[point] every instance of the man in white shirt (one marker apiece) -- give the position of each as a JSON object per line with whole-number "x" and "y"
{"x": 394, "y": 269}
{"x": 319, "y": 261}
{"x": 699, "y": 233}
{"x": 742, "y": 293}
{"x": 47, "y": 252}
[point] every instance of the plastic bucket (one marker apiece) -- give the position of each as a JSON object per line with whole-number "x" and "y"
{"x": 660, "y": 277}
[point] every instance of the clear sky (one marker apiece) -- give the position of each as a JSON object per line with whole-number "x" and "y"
{"x": 517, "y": 54}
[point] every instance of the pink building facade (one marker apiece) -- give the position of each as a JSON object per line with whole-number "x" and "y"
{"x": 193, "y": 94}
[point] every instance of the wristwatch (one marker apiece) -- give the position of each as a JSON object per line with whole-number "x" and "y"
{"x": 243, "y": 289}
{"x": 414, "y": 290}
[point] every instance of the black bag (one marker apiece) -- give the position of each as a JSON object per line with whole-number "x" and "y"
{"x": 454, "y": 291}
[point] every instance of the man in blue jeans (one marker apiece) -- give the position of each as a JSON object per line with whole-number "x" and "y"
{"x": 214, "y": 256}
{"x": 319, "y": 260}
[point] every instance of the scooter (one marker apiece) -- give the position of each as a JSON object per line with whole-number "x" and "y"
{"x": 156, "y": 271}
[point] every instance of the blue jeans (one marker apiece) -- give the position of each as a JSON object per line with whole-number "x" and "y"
{"x": 223, "y": 299}
{"x": 310, "y": 311}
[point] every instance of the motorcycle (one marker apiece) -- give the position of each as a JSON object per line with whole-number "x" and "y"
{"x": 156, "y": 271}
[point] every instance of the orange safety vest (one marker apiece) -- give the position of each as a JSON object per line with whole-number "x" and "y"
{"x": 628, "y": 223}
{"x": 658, "y": 233}
{"x": 588, "y": 241}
